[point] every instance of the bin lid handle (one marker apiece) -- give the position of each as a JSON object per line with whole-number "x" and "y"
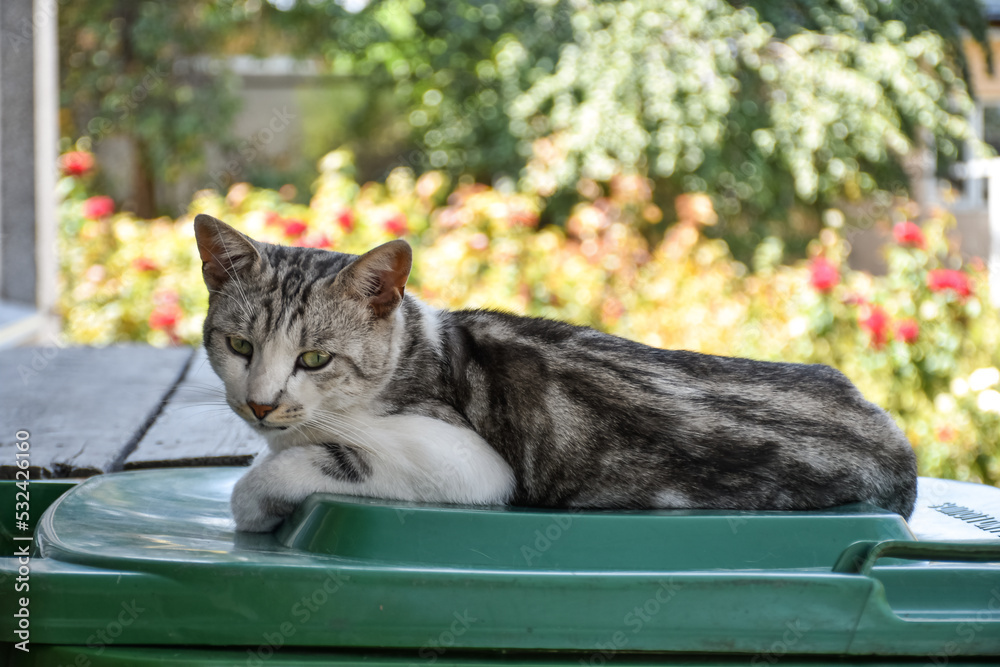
{"x": 860, "y": 557}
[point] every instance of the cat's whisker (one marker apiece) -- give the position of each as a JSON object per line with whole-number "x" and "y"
{"x": 336, "y": 424}
{"x": 191, "y": 387}
{"x": 245, "y": 304}
{"x": 206, "y": 386}
{"x": 200, "y": 396}
{"x": 242, "y": 317}
{"x": 205, "y": 409}
{"x": 218, "y": 404}
{"x": 203, "y": 399}
{"x": 235, "y": 277}
{"x": 374, "y": 452}
{"x": 229, "y": 296}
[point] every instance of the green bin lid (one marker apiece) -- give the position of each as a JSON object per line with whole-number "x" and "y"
{"x": 156, "y": 553}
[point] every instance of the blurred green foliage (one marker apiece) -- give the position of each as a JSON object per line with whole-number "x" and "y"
{"x": 778, "y": 110}
{"x": 126, "y": 71}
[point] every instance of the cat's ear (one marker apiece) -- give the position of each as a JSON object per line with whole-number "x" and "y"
{"x": 379, "y": 276}
{"x": 225, "y": 252}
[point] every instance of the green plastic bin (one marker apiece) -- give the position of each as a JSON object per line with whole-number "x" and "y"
{"x": 145, "y": 568}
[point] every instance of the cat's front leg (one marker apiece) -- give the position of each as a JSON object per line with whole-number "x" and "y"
{"x": 279, "y": 481}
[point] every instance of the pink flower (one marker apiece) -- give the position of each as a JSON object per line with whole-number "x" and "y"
{"x": 396, "y": 225}
{"x": 166, "y": 314}
{"x": 96, "y": 208}
{"x": 612, "y": 309}
{"x": 522, "y": 218}
{"x": 315, "y": 241}
{"x": 946, "y": 434}
{"x": 908, "y": 330}
{"x": 823, "y": 274}
{"x": 76, "y": 163}
{"x": 479, "y": 241}
{"x": 295, "y": 227}
{"x": 877, "y": 323}
{"x": 695, "y": 207}
{"x": 346, "y": 220}
{"x": 166, "y": 311}
{"x": 940, "y": 280}
{"x": 144, "y": 264}
{"x": 908, "y": 234}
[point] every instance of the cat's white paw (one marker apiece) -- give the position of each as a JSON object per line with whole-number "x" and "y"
{"x": 257, "y": 506}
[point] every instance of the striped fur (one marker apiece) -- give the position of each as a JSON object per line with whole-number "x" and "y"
{"x": 485, "y": 407}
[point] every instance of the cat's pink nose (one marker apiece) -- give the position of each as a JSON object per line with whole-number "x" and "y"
{"x": 260, "y": 410}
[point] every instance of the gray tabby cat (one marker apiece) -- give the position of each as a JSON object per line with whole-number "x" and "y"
{"x": 360, "y": 389}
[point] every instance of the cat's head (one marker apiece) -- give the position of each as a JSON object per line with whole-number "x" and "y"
{"x": 297, "y": 334}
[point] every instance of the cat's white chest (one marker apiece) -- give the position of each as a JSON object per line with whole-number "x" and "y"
{"x": 418, "y": 458}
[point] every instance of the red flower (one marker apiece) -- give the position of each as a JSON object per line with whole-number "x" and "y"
{"x": 908, "y": 330}
{"x": 165, "y": 316}
{"x": 76, "y": 163}
{"x": 144, "y": 264}
{"x": 824, "y": 274}
{"x": 940, "y": 280}
{"x": 346, "y": 220}
{"x": 96, "y": 208}
{"x": 295, "y": 227}
{"x": 396, "y": 225}
{"x": 877, "y": 324}
{"x": 272, "y": 219}
{"x": 909, "y": 234}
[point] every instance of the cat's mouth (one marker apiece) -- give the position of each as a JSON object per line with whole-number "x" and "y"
{"x": 261, "y": 426}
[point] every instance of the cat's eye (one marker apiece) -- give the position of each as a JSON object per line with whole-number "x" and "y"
{"x": 240, "y": 346}
{"x": 314, "y": 359}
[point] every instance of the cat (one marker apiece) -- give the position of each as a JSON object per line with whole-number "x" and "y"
{"x": 361, "y": 389}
